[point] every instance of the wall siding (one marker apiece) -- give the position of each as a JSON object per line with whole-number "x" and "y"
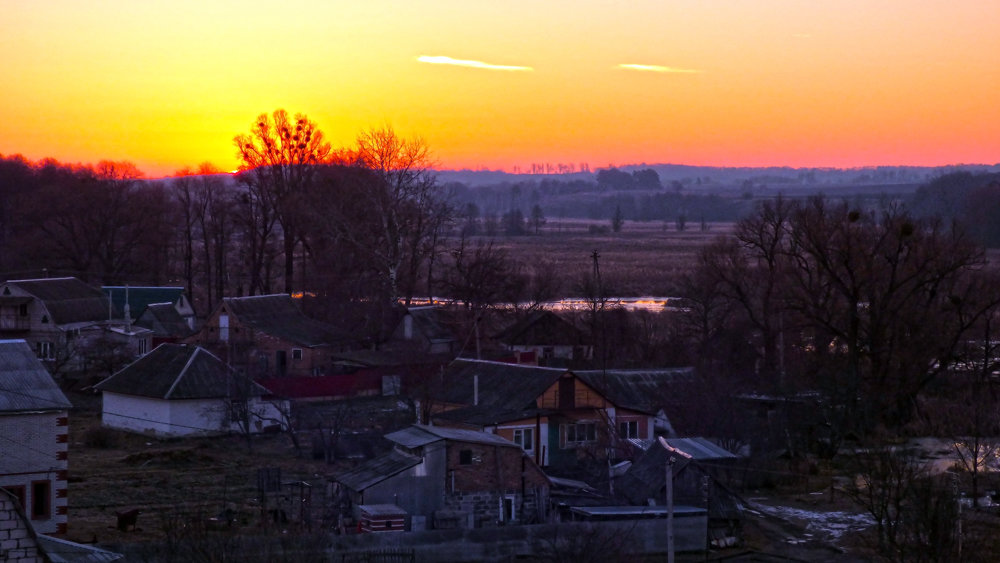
{"x": 43, "y": 458}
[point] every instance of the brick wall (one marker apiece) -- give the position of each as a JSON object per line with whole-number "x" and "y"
{"x": 17, "y": 543}
{"x": 490, "y": 474}
{"x": 35, "y": 458}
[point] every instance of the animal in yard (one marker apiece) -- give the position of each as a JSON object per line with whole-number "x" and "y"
{"x": 128, "y": 519}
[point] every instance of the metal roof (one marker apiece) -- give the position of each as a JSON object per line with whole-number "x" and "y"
{"x": 62, "y": 551}
{"x": 650, "y": 511}
{"x": 419, "y": 435}
{"x": 141, "y": 297}
{"x": 164, "y": 320}
{"x": 700, "y": 448}
{"x": 376, "y": 470}
{"x": 25, "y": 384}
{"x": 381, "y": 510}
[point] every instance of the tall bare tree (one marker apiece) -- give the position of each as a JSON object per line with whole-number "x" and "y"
{"x": 278, "y": 164}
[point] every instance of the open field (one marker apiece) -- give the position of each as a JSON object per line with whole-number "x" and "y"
{"x": 642, "y": 259}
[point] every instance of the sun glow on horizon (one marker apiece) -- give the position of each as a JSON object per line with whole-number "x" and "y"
{"x": 775, "y": 82}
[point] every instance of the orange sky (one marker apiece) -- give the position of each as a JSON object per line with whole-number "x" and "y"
{"x": 740, "y": 82}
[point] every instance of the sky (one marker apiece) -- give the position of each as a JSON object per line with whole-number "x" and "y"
{"x": 504, "y": 85}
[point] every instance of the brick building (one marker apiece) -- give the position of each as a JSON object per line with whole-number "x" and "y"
{"x": 268, "y": 336}
{"x": 34, "y": 436}
{"x": 448, "y": 478}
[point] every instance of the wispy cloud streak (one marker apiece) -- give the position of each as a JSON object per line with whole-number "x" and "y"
{"x": 470, "y": 64}
{"x": 658, "y": 68}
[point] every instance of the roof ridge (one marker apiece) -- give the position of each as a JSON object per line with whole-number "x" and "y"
{"x": 181, "y": 375}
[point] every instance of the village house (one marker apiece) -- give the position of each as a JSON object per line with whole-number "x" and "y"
{"x": 557, "y": 417}
{"x": 180, "y": 390}
{"x": 166, "y": 311}
{"x": 423, "y": 330}
{"x": 61, "y": 318}
{"x": 545, "y": 338}
{"x": 34, "y": 437}
{"x": 448, "y": 478}
{"x": 268, "y": 336}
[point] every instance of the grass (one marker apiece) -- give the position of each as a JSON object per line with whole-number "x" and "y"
{"x": 643, "y": 259}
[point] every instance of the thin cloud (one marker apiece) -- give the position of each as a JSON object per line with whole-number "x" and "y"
{"x": 802, "y": 35}
{"x": 658, "y": 68}
{"x": 470, "y": 64}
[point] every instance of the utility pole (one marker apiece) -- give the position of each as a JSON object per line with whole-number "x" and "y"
{"x": 672, "y": 454}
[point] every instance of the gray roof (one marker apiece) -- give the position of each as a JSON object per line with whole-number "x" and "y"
{"x": 505, "y": 390}
{"x": 68, "y": 300}
{"x": 543, "y": 328}
{"x": 176, "y": 371}
{"x": 277, "y": 315}
{"x": 62, "y": 551}
{"x": 376, "y": 470}
{"x": 700, "y": 449}
{"x": 420, "y": 435}
{"x": 164, "y": 320}
{"x": 647, "y": 390}
{"x": 430, "y": 323}
{"x": 25, "y": 384}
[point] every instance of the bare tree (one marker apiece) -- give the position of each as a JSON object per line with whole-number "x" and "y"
{"x": 279, "y": 157}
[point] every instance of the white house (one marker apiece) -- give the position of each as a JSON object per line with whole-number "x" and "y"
{"x": 34, "y": 437}
{"x": 180, "y": 390}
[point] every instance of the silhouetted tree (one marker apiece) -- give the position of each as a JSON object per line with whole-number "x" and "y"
{"x": 278, "y": 162}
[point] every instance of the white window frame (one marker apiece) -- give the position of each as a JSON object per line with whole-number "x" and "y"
{"x": 587, "y": 428}
{"x": 296, "y": 354}
{"x": 44, "y": 350}
{"x": 525, "y": 437}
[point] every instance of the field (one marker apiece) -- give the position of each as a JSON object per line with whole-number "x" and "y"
{"x": 643, "y": 259}
{"x": 177, "y": 484}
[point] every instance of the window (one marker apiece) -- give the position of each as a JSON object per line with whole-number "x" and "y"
{"x": 23, "y": 310}
{"x": 628, "y": 429}
{"x": 41, "y": 500}
{"x": 465, "y": 457}
{"x": 296, "y": 353}
{"x": 143, "y": 346}
{"x": 44, "y": 350}
{"x": 525, "y": 437}
{"x": 579, "y": 433}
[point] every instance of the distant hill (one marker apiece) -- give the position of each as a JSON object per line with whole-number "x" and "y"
{"x": 876, "y": 175}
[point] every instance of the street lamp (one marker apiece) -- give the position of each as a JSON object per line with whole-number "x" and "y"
{"x": 672, "y": 454}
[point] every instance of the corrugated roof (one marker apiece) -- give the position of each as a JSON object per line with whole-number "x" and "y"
{"x": 420, "y": 435}
{"x": 176, "y": 371}
{"x": 545, "y": 328}
{"x": 700, "y": 449}
{"x": 647, "y": 390}
{"x": 141, "y": 297}
{"x": 25, "y": 384}
{"x": 68, "y": 300}
{"x": 164, "y": 320}
{"x": 375, "y": 471}
{"x": 429, "y": 320}
{"x": 62, "y": 551}
{"x": 502, "y": 387}
{"x": 278, "y": 316}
